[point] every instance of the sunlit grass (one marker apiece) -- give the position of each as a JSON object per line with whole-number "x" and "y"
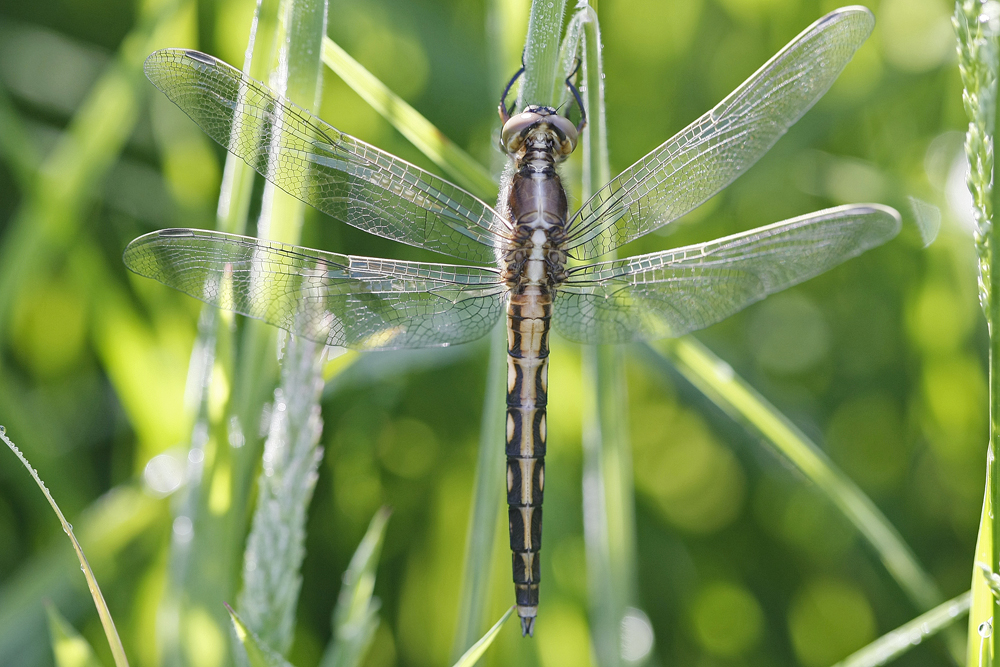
{"x": 110, "y": 631}
{"x": 893, "y": 644}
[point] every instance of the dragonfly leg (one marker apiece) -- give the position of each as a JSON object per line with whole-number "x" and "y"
{"x": 576, "y": 95}
{"x": 505, "y": 113}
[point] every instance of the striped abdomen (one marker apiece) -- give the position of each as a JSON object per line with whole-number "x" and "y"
{"x": 534, "y": 265}
{"x": 528, "y": 319}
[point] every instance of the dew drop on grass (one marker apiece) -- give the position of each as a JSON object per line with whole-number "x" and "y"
{"x": 986, "y": 629}
{"x": 3, "y": 429}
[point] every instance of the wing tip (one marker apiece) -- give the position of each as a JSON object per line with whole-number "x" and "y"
{"x": 888, "y": 212}
{"x": 152, "y": 66}
{"x": 850, "y": 12}
{"x": 861, "y": 16}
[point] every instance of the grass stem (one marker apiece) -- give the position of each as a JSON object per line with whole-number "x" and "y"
{"x": 114, "y": 641}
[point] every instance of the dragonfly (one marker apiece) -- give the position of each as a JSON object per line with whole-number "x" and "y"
{"x": 527, "y": 259}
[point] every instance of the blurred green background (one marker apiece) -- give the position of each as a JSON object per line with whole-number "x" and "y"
{"x": 741, "y": 562}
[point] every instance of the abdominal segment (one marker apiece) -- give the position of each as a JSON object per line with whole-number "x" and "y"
{"x": 529, "y": 314}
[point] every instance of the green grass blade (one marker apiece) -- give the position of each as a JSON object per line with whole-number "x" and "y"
{"x": 355, "y": 618}
{"x": 716, "y": 379}
{"x": 204, "y": 559}
{"x": 981, "y": 612}
{"x": 107, "y": 528}
{"x": 256, "y": 650}
{"x": 608, "y": 494}
{"x": 69, "y": 647}
{"x": 479, "y": 648}
{"x": 455, "y": 162}
{"x": 541, "y": 83}
{"x": 117, "y": 651}
{"x": 487, "y": 494}
{"x": 989, "y": 264}
{"x": 276, "y": 544}
{"x": 890, "y": 646}
{"x": 978, "y": 55}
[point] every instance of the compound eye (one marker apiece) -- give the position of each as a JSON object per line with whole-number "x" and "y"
{"x": 567, "y": 132}
{"x": 512, "y": 135}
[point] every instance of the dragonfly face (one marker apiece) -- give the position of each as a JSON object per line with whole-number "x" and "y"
{"x": 519, "y": 264}
{"x": 538, "y": 128}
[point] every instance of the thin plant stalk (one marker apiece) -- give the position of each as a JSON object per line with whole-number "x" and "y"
{"x": 608, "y": 510}
{"x": 893, "y": 644}
{"x": 117, "y": 651}
{"x": 355, "y": 616}
{"x": 486, "y": 502}
{"x": 487, "y": 514}
{"x": 476, "y": 651}
{"x": 717, "y": 380}
{"x": 455, "y": 162}
{"x": 978, "y": 54}
{"x": 488, "y": 485}
{"x": 990, "y": 277}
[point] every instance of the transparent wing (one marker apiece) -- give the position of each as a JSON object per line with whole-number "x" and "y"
{"x": 710, "y": 153}
{"x": 341, "y": 176}
{"x": 667, "y": 294}
{"x": 359, "y": 302}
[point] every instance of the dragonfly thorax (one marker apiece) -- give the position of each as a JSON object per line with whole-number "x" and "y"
{"x": 537, "y": 139}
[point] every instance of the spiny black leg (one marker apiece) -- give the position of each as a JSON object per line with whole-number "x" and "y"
{"x": 576, "y": 95}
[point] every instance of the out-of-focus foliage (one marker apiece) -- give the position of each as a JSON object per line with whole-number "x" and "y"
{"x": 881, "y": 361}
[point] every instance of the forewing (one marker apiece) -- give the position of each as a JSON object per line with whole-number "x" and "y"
{"x": 358, "y": 302}
{"x": 668, "y": 294}
{"x": 710, "y": 153}
{"x": 341, "y": 176}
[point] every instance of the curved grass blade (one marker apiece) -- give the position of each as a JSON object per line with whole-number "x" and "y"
{"x": 487, "y": 494}
{"x": 928, "y": 219}
{"x": 717, "y": 380}
{"x": 108, "y": 527}
{"x": 258, "y": 653}
{"x": 114, "y": 641}
{"x": 894, "y": 644}
{"x": 983, "y": 593}
{"x": 479, "y": 648}
{"x": 455, "y": 162}
{"x": 355, "y": 618}
{"x": 69, "y": 647}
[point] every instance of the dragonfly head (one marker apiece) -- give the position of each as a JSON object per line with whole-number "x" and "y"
{"x": 539, "y": 124}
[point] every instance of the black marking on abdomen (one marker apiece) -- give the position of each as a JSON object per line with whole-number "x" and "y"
{"x": 527, "y": 395}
